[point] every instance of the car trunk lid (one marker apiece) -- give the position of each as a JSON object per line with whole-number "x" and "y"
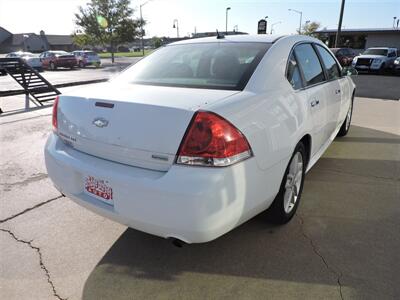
{"x": 136, "y": 125}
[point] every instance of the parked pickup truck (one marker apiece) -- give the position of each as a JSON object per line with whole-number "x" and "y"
{"x": 397, "y": 66}
{"x": 376, "y": 60}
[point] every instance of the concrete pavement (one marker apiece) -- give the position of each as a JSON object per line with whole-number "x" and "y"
{"x": 377, "y": 86}
{"x": 62, "y": 75}
{"x": 343, "y": 243}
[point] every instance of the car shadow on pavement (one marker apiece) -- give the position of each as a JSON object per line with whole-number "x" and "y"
{"x": 342, "y": 241}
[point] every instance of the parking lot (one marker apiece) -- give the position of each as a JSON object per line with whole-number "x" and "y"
{"x": 343, "y": 243}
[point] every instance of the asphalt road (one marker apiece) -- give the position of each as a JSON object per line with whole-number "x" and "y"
{"x": 343, "y": 243}
{"x": 378, "y": 86}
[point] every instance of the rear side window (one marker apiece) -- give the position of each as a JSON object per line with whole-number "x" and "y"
{"x": 346, "y": 52}
{"x": 330, "y": 63}
{"x": 293, "y": 73}
{"x": 309, "y": 64}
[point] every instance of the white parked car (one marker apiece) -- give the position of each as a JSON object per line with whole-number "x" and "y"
{"x": 31, "y": 59}
{"x": 376, "y": 60}
{"x": 201, "y": 135}
{"x": 87, "y": 58}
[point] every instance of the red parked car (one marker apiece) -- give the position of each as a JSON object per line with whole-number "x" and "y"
{"x": 344, "y": 55}
{"x": 53, "y": 59}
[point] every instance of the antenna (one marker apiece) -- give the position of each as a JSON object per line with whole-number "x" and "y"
{"x": 220, "y": 36}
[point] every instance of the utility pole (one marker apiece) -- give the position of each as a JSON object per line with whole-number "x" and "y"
{"x": 340, "y": 24}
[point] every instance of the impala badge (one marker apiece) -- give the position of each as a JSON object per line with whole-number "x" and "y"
{"x": 100, "y": 122}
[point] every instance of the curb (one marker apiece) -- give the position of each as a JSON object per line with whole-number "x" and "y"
{"x": 60, "y": 85}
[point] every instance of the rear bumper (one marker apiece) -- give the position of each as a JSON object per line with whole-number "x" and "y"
{"x": 193, "y": 204}
{"x": 65, "y": 64}
{"x": 92, "y": 63}
{"x": 366, "y": 68}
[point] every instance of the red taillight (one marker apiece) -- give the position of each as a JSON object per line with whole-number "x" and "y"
{"x": 210, "y": 140}
{"x": 54, "y": 118}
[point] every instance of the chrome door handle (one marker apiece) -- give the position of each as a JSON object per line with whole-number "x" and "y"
{"x": 314, "y": 103}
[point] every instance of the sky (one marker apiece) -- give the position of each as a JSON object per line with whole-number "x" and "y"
{"x": 57, "y": 16}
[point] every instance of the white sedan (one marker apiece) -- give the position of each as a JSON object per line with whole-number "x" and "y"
{"x": 201, "y": 135}
{"x": 31, "y": 59}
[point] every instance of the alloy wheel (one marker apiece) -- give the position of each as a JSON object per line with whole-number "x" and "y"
{"x": 293, "y": 182}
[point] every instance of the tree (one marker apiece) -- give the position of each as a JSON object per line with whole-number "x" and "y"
{"x": 310, "y": 28}
{"x": 107, "y": 22}
{"x": 83, "y": 40}
{"x": 156, "y": 41}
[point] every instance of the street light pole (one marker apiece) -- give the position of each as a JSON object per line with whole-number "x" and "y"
{"x": 394, "y": 22}
{"x": 226, "y": 19}
{"x": 272, "y": 26}
{"x": 301, "y": 17}
{"x": 176, "y": 26}
{"x": 141, "y": 25}
{"x": 340, "y": 24}
{"x": 25, "y": 36}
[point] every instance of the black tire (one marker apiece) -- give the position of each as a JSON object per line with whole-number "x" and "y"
{"x": 276, "y": 212}
{"x": 52, "y": 66}
{"x": 344, "y": 129}
{"x": 382, "y": 69}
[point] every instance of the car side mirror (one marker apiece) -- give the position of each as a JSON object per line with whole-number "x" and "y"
{"x": 349, "y": 71}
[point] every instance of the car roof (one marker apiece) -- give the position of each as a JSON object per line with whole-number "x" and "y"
{"x": 259, "y": 38}
{"x": 382, "y": 48}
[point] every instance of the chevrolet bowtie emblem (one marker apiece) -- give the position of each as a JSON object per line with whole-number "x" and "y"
{"x": 100, "y": 122}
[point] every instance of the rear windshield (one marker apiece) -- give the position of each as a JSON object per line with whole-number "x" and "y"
{"x": 89, "y": 53}
{"x": 225, "y": 65}
{"x": 60, "y": 52}
{"x": 383, "y": 52}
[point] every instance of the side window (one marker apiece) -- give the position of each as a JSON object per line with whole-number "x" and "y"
{"x": 309, "y": 64}
{"x": 330, "y": 63}
{"x": 293, "y": 73}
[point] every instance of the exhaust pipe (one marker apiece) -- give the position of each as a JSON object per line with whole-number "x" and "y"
{"x": 177, "y": 242}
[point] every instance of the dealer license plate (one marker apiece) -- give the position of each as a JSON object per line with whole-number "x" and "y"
{"x": 99, "y": 188}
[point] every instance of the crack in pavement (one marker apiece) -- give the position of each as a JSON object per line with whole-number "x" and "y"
{"x": 33, "y": 178}
{"x": 337, "y": 274}
{"x": 43, "y": 267}
{"x": 30, "y": 208}
{"x": 26, "y": 119}
{"x": 360, "y": 175}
